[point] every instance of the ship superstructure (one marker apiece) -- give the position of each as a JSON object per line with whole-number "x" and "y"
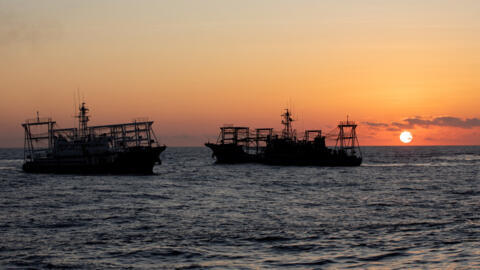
{"x": 264, "y": 145}
{"x": 118, "y": 148}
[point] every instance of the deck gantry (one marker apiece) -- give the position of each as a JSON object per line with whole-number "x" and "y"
{"x": 347, "y": 140}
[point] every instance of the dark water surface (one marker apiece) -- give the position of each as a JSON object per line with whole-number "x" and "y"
{"x": 404, "y": 207}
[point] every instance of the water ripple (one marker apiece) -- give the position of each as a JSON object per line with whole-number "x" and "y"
{"x": 406, "y": 207}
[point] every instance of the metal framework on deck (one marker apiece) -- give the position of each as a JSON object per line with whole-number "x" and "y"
{"x": 347, "y": 140}
{"x": 40, "y": 135}
{"x": 345, "y": 136}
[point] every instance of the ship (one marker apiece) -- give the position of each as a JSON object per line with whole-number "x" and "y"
{"x": 127, "y": 148}
{"x": 239, "y": 144}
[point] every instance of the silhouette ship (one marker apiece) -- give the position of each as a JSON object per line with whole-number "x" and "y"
{"x": 263, "y": 145}
{"x": 129, "y": 148}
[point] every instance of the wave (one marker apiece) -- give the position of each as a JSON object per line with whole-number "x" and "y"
{"x": 428, "y": 164}
{"x": 296, "y": 247}
{"x": 8, "y": 167}
{"x": 464, "y": 157}
{"x": 400, "y": 209}
{"x": 379, "y": 257}
{"x": 311, "y": 263}
{"x": 270, "y": 239}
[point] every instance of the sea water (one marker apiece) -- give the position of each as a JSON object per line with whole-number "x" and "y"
{"x": 404, "y": 207}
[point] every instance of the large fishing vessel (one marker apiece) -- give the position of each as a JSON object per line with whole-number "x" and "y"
{"x": 263, "y": 145}
{"x": 117, "y": 149}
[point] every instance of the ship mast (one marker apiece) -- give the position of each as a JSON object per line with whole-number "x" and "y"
{"x": 82, "y": 120}
{"x": 287, "y": 120}
{"x": 347, "y": 137}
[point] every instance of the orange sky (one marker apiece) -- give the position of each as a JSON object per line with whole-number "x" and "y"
{"x": 192, "y": 66}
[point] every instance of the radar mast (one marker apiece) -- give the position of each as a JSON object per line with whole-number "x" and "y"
{"x": 287, "y": 132}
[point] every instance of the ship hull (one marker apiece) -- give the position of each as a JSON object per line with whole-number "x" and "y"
{"x": 232, "y": 154}
{"x": 135, "y": 160}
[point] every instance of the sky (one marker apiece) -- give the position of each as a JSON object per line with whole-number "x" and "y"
{"x": 193, "y": 66}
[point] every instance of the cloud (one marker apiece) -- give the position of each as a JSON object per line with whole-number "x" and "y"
{"x": 400, "y": 125}
{"x": 418, "y": 121}
{"x": 373, "y": 124}
{"x": 444, "y": 121}
{"x": 456, "y": 122}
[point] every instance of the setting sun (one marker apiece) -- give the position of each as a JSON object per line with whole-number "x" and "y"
{"x": 406, "y": 137}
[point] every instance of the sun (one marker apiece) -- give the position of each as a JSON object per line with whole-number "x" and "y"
{"x": 406, "y": 137}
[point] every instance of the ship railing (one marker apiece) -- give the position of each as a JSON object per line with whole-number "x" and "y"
{"x": 121, "y": 135}
{"x": 311, "y": 134}
{"x": 38, "y": 120}
{"x": 41, "y": 151}
{"x": 120, "y": 125}
{"x": 140, "y": 133}
{"x": 254, "y": 149}
{"x": 140, "y": 120}
{"x": 230, "y": 134}
{"x": 347, "y": 123}
{"x": 38, "y": 135}
{"x": 130, "y": 142}
{"x": 36, "y": 153}
{"x": 68, "y": 134}
{"x": 233, "y": 135}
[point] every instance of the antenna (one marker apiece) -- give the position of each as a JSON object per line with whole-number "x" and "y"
{"x": 287, "y": 123}
{"x": 74, "y": 109}
{"x": 83, "y": 118}
{"x": 78, "y": 97}
{"x": 303, "y": 120}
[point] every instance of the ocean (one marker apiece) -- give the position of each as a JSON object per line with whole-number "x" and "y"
{"x": 405, "y": 207}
